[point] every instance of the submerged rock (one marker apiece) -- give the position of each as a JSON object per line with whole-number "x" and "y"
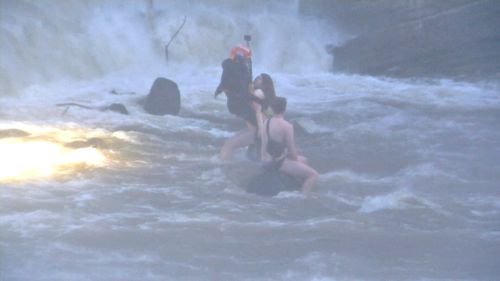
{"x": 13, "y": 133}
{"x": 270, "y": 182}
{"x": 118, "y": 107}
{"x": 92, "y": 142}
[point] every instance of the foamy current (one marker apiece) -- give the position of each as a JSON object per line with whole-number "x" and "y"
{"x": 409, "y": 168}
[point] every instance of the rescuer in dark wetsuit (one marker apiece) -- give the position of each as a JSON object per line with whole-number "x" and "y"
{"x": 236, "y": 83}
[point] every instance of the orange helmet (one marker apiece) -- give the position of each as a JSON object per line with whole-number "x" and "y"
{"x": 240, "y": 51}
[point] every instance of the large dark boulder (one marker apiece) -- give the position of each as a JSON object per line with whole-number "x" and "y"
{"x": 270, "y": 182}
{"x": 163, "y": 98}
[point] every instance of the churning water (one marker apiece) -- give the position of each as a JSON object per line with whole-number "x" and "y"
{"x": 409, "y": 184}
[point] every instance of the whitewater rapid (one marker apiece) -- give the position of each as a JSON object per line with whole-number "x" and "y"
{"x": 408, "y": 186}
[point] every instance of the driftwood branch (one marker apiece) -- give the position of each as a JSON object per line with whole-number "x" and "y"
{"x": 173, "y": 36}
{"x": 115, "y": 107}
{"x": 69, "y": 104}
{"x": 75, "y": 104}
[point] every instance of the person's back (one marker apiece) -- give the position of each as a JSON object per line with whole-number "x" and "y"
{"x": 277, "y": 137}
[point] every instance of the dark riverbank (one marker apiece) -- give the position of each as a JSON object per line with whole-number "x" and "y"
{"x": 446, "y": 39}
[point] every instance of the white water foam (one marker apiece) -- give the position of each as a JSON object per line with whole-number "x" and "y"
{"x": 79, "y": 52}
{"x": 397, "y": 200}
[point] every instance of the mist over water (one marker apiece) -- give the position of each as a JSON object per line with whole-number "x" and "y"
{"x": 409, "y": 167}
{"x": 49, "y": 40}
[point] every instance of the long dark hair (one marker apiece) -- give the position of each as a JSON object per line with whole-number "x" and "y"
{"x": 268, "y": 88}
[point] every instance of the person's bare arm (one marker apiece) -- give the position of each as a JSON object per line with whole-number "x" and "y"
{"x": 260, "y": 119}
{"x": 257, "y": 107}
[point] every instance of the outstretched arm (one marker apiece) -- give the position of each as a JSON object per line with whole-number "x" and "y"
{"x": 260, "y": 126}
{"x": 224, "y": 78}
{"x": 257, "y": 107}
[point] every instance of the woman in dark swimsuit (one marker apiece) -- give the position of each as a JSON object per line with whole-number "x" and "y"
{"x": 280, "y": 145}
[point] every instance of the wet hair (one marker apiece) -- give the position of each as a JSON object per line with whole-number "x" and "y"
{"x": 278, "y": 105}
{"x": 268, "y": 88}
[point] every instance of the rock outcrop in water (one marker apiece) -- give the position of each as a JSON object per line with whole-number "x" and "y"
{"x": 420, "y": 38}
{"x": 270, "y": 182}
{"x": 163, "y": 98}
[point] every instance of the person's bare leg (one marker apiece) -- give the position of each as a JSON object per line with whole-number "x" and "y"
{"x": 241, "y": 139}
{"x": 300, "y": 171}
{"x": 310, "y": 182}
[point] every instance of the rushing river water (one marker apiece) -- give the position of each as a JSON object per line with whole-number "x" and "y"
{"x": 409, "y": 169}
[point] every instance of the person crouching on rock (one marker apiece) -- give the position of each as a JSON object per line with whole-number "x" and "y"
{"x": 282, "y": 153}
